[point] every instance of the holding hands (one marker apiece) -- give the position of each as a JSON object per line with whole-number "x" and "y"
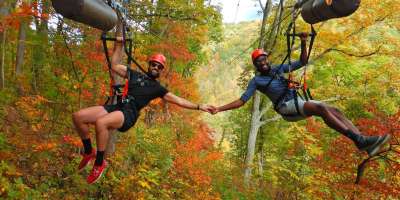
{"x": 214, "y": 110}
{"x": 208, "y": 108}
{"x": 233, "y": 105}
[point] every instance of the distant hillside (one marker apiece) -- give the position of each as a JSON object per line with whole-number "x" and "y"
{"x": 218, "y": 80}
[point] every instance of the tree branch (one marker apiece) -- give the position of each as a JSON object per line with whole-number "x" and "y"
{"x": 355, "y": 55}
{"x": 347, "y": 38}
{"x": 264, "y": 110}
{"x": 261, "y": 5}
{"x": 334, "y": 99}
{"x": 170, "y": 17}
{"x": 273, "y": 119}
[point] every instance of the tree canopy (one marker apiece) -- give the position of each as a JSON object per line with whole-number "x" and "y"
{"x": 51, "y": 67}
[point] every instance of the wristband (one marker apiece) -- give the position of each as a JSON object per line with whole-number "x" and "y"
{"x": 198, "y": 107}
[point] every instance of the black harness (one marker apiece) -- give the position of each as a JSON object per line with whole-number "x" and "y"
{"x": 121, "y": 97}
{"x": 293, "y": 86}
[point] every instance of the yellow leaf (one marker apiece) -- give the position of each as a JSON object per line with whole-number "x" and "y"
{"x": 144, "y": 184}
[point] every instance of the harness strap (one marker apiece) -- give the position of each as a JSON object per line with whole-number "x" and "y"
{"x": 111, "y": 96}
{"x": 125, "y": 91}
{"x": 115, "y": 89}
{"x": 292, "y": 86}
{"x": 305, "y": 93}
{"x": 306, "y": 90}
{"x": 126, "y": 86}
{"x": 128, "y": 51}
{"x": 296, "y": 102}
{"x": 276, "y": 103}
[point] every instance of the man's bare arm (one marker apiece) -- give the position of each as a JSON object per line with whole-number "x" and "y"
{"x": 170, "y": 97}
{"x": 303, "y": 46}
{"x": 116, "y": 58}
{"x": 233, "y": 105}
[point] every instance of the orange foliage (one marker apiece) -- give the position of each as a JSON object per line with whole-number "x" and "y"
{"x": 341, "y": 160}
{"x": 86, "y": 94}
{"x": 380, "y": 124}
{"x": 45, "y": 146}
{"x": 156, "y": 102}
{"x": 175, "y": 43}
{"x": 28, "y": 106}
{"x": 313, "y": 126}
{"x": 22, "y": 12}
{"x": 194, "y": 159}
{"x": 72, "y": 140}
{"x": 185, "y": 86}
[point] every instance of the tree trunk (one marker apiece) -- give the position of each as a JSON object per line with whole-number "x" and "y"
{"x": 2, "y": 57}
{"x": 275, "y": 28}
{"x": 261, "y": 162}
{"x": 20, "y": 48}
{"x": 4, "y": 11}
{"x": 255, "y": 115}
{"x": 19, "y": 62}
{"x": 39, "y": 56}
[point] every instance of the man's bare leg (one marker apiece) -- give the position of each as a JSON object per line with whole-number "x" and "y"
{"x": 81, "y": 120}
{"x": 104, "y": 126}
{"x": 344, "y": 120}
{"x": 315, "y": 109}
{"x": 106, "y": 123}
{"x": 86, "y": 116}
{"x": 336, "y": 120}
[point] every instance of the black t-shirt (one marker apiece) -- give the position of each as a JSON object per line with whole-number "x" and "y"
{"x": 144, "y": 89}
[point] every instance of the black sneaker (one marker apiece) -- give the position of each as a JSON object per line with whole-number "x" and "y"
{"x": 372, "y": 144}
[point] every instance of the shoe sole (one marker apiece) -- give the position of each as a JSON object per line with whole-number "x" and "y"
{"x": 378, "y": 146}
{"x": 101, "y": 174}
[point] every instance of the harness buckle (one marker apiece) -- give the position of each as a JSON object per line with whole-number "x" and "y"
{"x": 294, "y": 85}
{"x": 127, "y": 99}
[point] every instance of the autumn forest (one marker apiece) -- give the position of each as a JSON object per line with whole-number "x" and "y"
{"x": 52, "y": 66}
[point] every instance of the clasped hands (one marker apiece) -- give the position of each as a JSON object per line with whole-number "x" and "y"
{"x": 209, "y": 108}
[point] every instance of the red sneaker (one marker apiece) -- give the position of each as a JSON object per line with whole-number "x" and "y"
{"x": 86, "y": 158}
{"x": 96, "y": 172}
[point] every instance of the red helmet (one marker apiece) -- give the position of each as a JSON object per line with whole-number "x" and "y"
{"x": 158, "y": 57}
{"x": 258, "y": 52}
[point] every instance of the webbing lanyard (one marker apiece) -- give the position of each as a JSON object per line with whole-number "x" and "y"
{"x": 114, "y": 89}
{"x": 292, "y": 85}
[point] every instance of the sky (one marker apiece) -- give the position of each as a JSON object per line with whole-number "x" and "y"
{"x": 248, "y": 10}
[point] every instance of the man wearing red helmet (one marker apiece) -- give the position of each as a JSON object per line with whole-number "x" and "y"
{"x": 142, "y": 88}
{"x": 291, "y": 107}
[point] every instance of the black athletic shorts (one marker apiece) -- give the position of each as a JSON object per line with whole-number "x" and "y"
{"x": 130, "y": 114}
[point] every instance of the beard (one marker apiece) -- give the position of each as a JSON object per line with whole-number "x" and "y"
{"x": 153, "y": 74}
{"x": 264, "y": 69}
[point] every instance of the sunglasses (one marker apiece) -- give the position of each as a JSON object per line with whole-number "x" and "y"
{"x": 157, "y": 65}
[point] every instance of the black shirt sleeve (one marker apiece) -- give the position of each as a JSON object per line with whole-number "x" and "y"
{"x": 162, "y": 91}
{"x": 133, "y": 73}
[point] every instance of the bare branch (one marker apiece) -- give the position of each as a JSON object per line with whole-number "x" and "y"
{"x": 264, "y": 110}
{"x": 170, "y": 17}
{"x": 261, "y": 5}
{"x": 355, "y": 55}
{"x": 275, "y": 118}
{"x": 361, "y": 29}
{"x": 334, "y": 99}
